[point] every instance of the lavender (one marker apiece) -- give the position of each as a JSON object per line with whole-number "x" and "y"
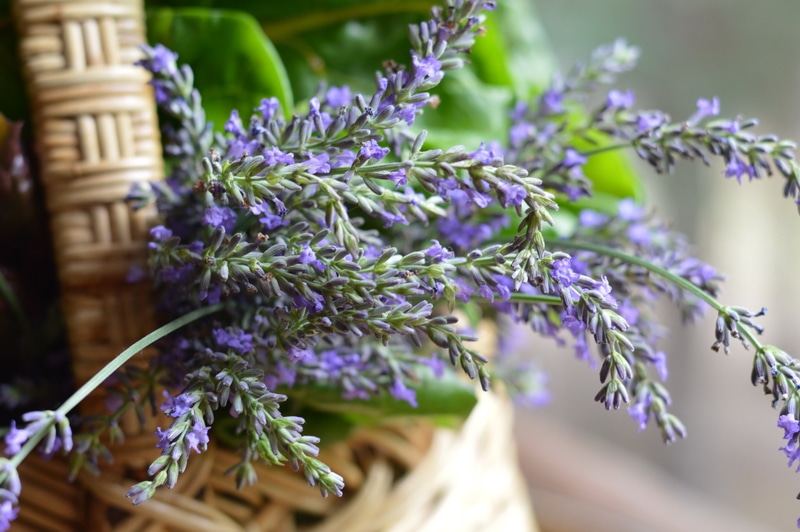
{"x": 328, "y": 250}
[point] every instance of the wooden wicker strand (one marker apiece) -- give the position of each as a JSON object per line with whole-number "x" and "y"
{"x": 415, "y": 480}
{"x": 97, "y": 135}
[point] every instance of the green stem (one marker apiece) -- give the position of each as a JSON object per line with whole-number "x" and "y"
{"x": 663, "y": 272}
{"x": 610, "y": 147}
{"x": 110, "y": 368}
{"x": 531, "y": 298}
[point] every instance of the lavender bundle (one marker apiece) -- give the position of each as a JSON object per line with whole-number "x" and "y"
{"x": 327, "y": 251}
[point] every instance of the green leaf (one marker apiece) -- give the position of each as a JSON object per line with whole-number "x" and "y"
{"x": 611, "y": 172}
{"x": 470, "y": 112}
{"x": 291, "y": 18}
{"x": 13, "y": 99}
{"x": 342, "y": 53}
{"x": 234, "y": 63}
{"x": 514, "y": 52}
{"x": 450, "y": 396}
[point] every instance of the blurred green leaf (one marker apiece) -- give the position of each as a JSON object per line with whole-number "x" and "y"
{"x": 344, "y": 52}
{"x": 514, "y": 52}
{"x": 294, "y": 17}
{"x": 611, "y": 172}
{"x": 470, "y": 112}
{"x": 450, "y": 396}
{"x": 13, "y": 100}
{"x": 234, "y": 63}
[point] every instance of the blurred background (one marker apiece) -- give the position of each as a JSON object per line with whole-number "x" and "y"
{"x": 728, "y": 474}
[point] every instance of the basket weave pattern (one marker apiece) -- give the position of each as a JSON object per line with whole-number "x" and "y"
{"x": 97, "y": 134}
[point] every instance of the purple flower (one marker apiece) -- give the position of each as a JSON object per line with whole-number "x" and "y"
{"x": 307, "y": 256}
{"x": 444, "y": 186}
{"x": 562, "y": 272}
{"x": 178, "y": 274}
{"x": 234, "y": 338}
{"x": 318, "y": 164}
{"x": 582, "y": 351}
{"x": 391, "y": 218}
{"x": 163, "y": 438}
{"x": 15, "y": 438}
{"x": 402, "y": 393}
{"x": 604, "y": 289}
{"x": 177, "y": 406}
{"x": 648, "y": 121}
{"x": 478, "y": 198}
{"x": 268, "y": 108}
{"x": 736, "y": 168}
{"x": 511, "y": 194}
{"x": 503, "y": 292}
{"x": 160, "y": 91}
{"x": 790, "y": 426}
{"x": 629, "y": 211}
{"x": 372, "y": 150}
{"x": 639, "y": 234}
{"x": 519, "y": 133}
{"x": 338, "y": 96}
{"x": 437, "y": 253}
{"x": 619, "y": 99}
{"x": 160, "y": 233}
{"x": 463, "y": 290}
{"x": 135, "y": 274}
{"x": 436, "y": 364}
{"x": 64, "y": 439}
{"x": 792, "y": 452}
{"x": 660, "y": 362}
{"x": 707, "y": 108}
{"x": 407, "y": 113}
{"x": 519, "y": 111}
{"x": 590, "y": 218}
{"x": 490, "y": 153}
{"x": 297, "y": 355}
{"x": 485, "y": 291}
{"x": 197, "y": 439}
{"x": 8, "y": 512}
{"x": 427, "y": 68}
{"x": 628, "y": 311}
{"x": 398, "y": 177}
{"x": 272, "y": 221}
{"x": 572, "y": 158}
{"x": 552, "y": 102}
{"x": 12, "y": 480}
{"x": 640, "y": 412}
{"x": 344, "y": 158}
{"x": 220, "y": 217}
{"x": 732, "y": 127}
{"x": 313, "y": 108}
{"x": 240, "y": 146}
{"x": 274, "y": 156}
{"x": 163, "y": 60}
{"x": 234, "y": 124}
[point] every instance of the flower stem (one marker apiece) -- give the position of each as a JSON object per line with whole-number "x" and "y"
{"x": 677, "y": 280}
{"x": 610, "y": 147}
{"x": 532, "y": 298}
{"x": 99, "y": 377}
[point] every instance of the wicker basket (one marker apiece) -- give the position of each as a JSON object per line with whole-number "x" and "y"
{"x": 97, "y": 134}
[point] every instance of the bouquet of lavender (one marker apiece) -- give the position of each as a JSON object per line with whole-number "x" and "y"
{"x": 317, "y": 253}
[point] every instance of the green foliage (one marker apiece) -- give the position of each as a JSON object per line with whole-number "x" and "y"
{"x": 448, "y": 397}
{"x": 13, "y": 102}
{"x": 235, "y": 65}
